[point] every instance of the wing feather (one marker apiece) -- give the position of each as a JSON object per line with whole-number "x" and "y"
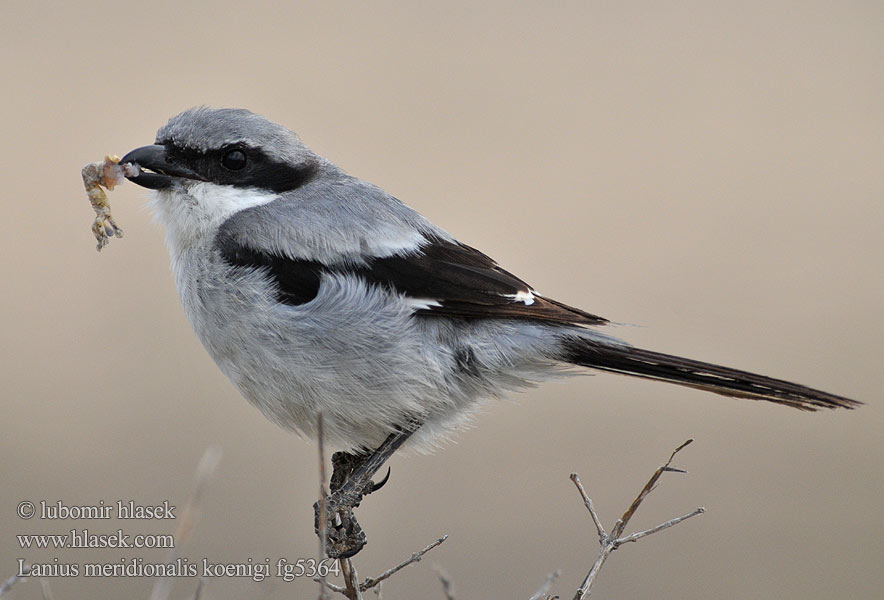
{"x": 441, "y": 277}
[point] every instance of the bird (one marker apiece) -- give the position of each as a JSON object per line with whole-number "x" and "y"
{"x": 316, "y": 292}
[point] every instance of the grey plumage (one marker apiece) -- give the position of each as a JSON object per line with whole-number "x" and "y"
{"x": 314, "y": 290}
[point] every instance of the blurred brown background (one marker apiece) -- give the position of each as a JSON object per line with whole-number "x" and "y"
{"x": 712, "y": 175}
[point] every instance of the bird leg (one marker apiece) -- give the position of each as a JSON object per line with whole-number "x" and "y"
{"x": 350, "y": 483}
{"x": 344, "y": 464}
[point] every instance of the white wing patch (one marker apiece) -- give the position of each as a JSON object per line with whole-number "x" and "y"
{"x": 526, "y": 298}
{"x": 391, "y": 242}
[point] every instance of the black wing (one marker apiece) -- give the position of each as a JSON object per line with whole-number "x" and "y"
{"x": 443, "y": 277}
{"x": 467, "y": 283}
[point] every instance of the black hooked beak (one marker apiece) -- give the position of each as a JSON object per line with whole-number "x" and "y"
{"x": 164, "y": 168}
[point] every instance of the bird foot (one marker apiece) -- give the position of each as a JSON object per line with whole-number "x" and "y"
{"x": 350, "y": 482}
{"x": 344, "y": 535}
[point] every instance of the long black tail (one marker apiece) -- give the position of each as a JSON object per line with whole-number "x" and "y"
{"x": 637, "y": 362}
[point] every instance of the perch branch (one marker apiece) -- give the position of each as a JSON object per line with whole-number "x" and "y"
{"x": 333, "y": 587}
{"x": 351, "y": 579}
{"x": 370, "y": 582}
{"x": 610, "y": 542}
{"x": 199, "y": 588}
{"x": 323, "y": 501}
{"x": 7, "y": 585}
{"x": 543, "y": 591}
{"x": 348, "y": 571}
{"x": 205, "y": 469}
{"x": 447, "y": 586}
{"x": 46, "y": 589}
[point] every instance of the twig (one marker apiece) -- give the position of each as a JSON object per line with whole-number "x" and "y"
{"x": 543, "y": 590}
{"x": 323, "y": 504}
{"x": 446, "y": 583}
{"x": 348, "y": 571}
{"x": 7, "y": 585}
{"x": 610, "y": 542}
{"x": 199, "y": 588}
{"x": 637, "y": 536}
{"x": 204, "y": 470}
{"x": 620, "y": 525}
{"x": 415, "y": 557}
{"x": 334, "y": 587}
{"x": 587, "y": 501}
{"x": 352, "y": 589}
{"x": 47, "y": 591}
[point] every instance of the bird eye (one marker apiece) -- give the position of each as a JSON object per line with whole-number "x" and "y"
{"x": 234, "y": 160}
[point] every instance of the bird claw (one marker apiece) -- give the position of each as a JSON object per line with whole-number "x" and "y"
{"x": 375, "y": 486}
{"x": 349, "y": 484}
{"x": 344, "y": 535}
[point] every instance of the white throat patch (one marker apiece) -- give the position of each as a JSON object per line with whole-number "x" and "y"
{"x": 190, "y": 212}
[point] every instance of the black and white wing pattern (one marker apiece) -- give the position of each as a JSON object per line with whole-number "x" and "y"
{"x": 441, "y": 277}
{"x": 456, "y": 280}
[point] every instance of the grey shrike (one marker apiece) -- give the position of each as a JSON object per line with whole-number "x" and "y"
{"x": 316, "y": 291}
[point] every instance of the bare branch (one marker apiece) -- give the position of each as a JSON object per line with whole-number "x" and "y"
{"x": 588, "y": 502}
{"x": 47, "y": 592}
{"x": 351, "y": 579}
{"x": 7, "y": 585}
{"x": 333, "y": 587}
{"x": 415, "y": 557}
{"x": 348, "y": 571}
{"x": 199, "y": 588}
{"x": 584, "y": 590}
{"x": 323, "y": 502}
{"x": 637, "y": 536}
{"x": 543, "y": 591}
{"x": 649, "y": 487}
{"x": 205, "y": 469}
{"x": 446, "y": 582}
{"x": 610, "y": 542}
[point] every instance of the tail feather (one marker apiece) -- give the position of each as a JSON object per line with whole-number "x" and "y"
{"x": 627, "y": 360}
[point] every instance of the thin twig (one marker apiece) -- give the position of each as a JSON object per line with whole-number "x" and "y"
{"x": 587, "y": 501}
{"x": 415, "y": 557}
{"x": 637, "y": 536}
{"x": 610, "y": 542}
{"x": 334, "y": 587}
{"x": 348, "y": 571}
{"x": 649, "y": 486}
{"x": 44, "y": 587}
{"x": 585, "y": 588}
{"x": 199, "y": 588}
{"x": 447, "y": 586}
{"x": 351, "y": 579}
{"x": 543, "y": 591}
{"x": 323, "y": 504}
{"x": 7, "y": 585}
{"x": 205, "y": 469}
